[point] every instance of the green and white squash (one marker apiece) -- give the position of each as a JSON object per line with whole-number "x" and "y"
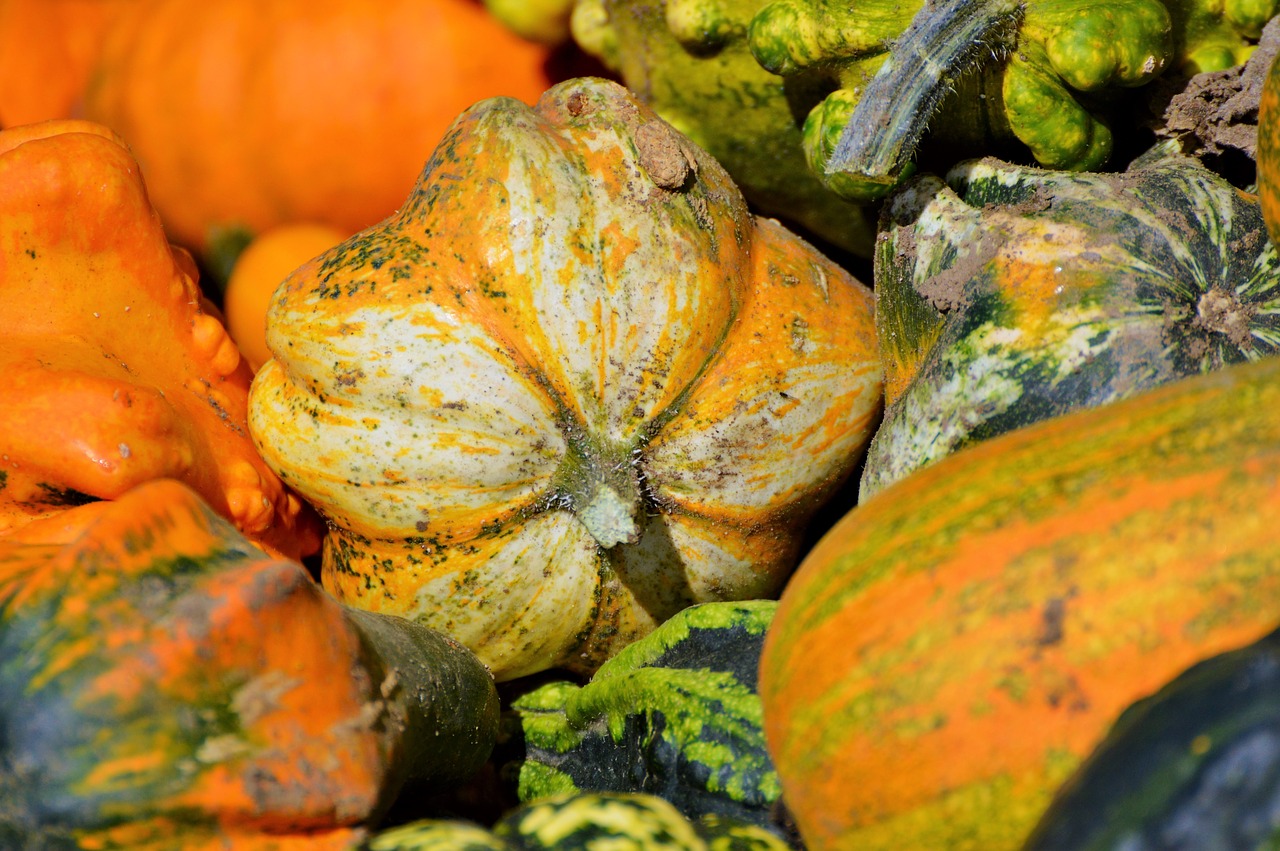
{"x": 586, "y": 822}
{"x": 1010, "y": 294}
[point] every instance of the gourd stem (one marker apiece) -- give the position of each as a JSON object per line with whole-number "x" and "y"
{"x": 602, "y": 486}
{"x": 944, "y": 40}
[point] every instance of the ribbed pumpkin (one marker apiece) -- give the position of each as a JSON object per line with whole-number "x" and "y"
{"x": 571, "y": 388}
{"x": 165, "y": 685}
{"x": 115, "y": 370}
{"x": 251, "y": 113}
{"x": 957, "y": 644}
{"x": 47, "y": 51}
{"x": 1010, "y": 294}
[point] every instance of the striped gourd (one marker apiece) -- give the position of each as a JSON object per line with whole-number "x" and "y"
{"x": 957, "y": 644}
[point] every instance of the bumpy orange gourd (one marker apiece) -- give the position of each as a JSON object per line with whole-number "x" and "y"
{"x": 114, "y": 372}
{"x": 166, "y": 685}
{"x": 251, "y": 113}
{"x": 47, "y": 49}
{"x": 571, "y": 388}
{"x": 259, "y": 269}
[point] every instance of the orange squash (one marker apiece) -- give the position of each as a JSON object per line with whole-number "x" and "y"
{"x": 259, "y": 269}
{"x": 165, "y": 685}
{"x": 115, "y": 371}
{"x": 253, "y": 113}
{"x": 958, "y": 643}
{"x": 573, "y": 387}
{"x": 47, "y": 49}
{"x": 1267, "y": 154}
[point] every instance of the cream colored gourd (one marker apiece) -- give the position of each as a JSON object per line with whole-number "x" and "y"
{"x": 572, "y": 387}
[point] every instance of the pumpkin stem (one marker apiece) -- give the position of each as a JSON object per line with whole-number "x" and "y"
{"x": 602, "y": 486}
{"x": 944, "y": 40}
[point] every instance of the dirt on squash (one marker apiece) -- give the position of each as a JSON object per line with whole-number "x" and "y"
{"x": 1216, "y": 113}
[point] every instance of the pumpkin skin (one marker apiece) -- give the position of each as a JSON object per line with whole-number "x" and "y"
{"x": 115, "y": 370}
{"x": 164, "y": 684}
{"x": 956, "y": 645}
{"x": 252, "y": 114}
{"x": 584, "y": 821}
{"x": 1194, "y": 766}
{"x": 675, "y": 714}
{"x": 47, "y": 49}
{"x": 260, "y": 268}
{"x": 1010, "y": 294}
{"x": 561, "y": 394}
{"x": 1267, "y": 155}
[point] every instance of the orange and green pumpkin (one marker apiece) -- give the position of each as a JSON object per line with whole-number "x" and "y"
{"x": 570, "y": 389}
{"x": 956, "y": 645}
{"x": 164, "y": 684}
{"x": 116, "y": 370}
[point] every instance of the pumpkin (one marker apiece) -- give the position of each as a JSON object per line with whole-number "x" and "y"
{"x": 1194, "y": 766}
{"x": 47, "y": 48}
{"x": 689, "y": 60}
{"x": 1267, "y": 152}
{"x": 258, "y": 270}
{"x": 252, "y": 114}
{"x": 956, "y": 645}
{"x": 583, "y": 821}
{"x": 164, "y": 684}
{"x": 116, "y": 371}
{"x": 1010, "y": 294}
{"x": 675, "y": 714}
{"x": 561, "y": 395}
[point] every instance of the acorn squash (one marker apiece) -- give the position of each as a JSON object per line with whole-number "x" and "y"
{"x": 164, "y": 684}
{"x": 560, "y": 395}
{"x": 954, "y": 648}
{"x": 1010, "y": 294}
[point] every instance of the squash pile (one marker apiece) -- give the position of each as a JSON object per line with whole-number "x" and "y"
{"x": 694, "y": 424}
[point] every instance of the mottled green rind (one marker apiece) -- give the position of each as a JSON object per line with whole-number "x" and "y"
{"x": 615, "y": 821}
{"x": 675, "y": 714}
{"x": 1135, "y": 253}
{"x": 1194, "y": 766}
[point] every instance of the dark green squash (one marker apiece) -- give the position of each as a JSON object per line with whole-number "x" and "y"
{"x": 165, "y": 685}
{"x": 1194, "y": 767}
{"x": 584, "y": 822}
{"x": 1010, "y": 294}
{"x": 675, "y": 714}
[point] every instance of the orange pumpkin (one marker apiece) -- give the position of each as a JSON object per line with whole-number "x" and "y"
{"x": 1268, "y": 151}
{"x": 115, "y": 372}
{"x": 253, "y": 113}
{"x": 47, "y": 48}
{"x": 259, "y": 269}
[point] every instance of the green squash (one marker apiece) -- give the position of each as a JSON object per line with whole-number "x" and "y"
{"x": 1010, "y": 294}
{"x": 1194, "y": 766}
{"x": 675, "y": 714}
{"x": 586, "y": 822}
{"x": 1061, "y": 68}
{"x": 164, "y": 684}
{"x": 689, "y": 60}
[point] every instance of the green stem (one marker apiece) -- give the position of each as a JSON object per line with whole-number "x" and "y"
{"x": 943, "y": 41}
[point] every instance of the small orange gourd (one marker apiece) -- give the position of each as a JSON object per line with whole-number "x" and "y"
{"x": 259, "y": 269}
{"x": 115, "y": 371}
{"x": 252, "y": 113}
